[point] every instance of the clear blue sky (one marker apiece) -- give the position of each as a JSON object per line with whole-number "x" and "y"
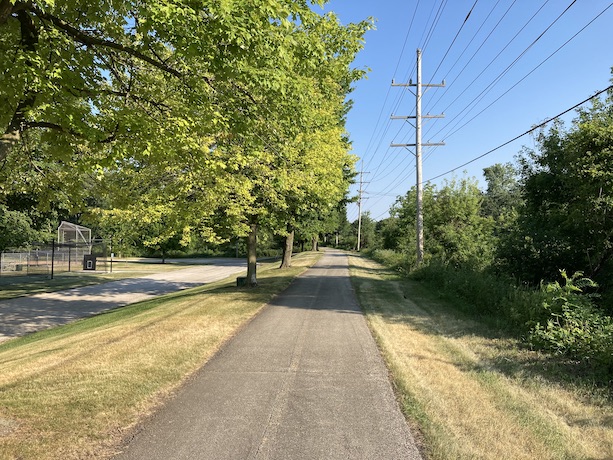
{"x": 476, "y": 70}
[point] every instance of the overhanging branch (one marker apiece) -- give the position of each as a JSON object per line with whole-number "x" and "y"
{"x": 89, "y": 40}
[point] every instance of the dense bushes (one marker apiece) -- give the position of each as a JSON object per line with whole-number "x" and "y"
{"x": 560, "y": 318}
{"x": 396, "y": 260}
{"x": 574, "y": 325}
{"x": 486, "y": 294}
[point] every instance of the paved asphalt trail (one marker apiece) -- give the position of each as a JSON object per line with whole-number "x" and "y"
{"x": 304, "y": 380}
{"x": 23, "y": 315}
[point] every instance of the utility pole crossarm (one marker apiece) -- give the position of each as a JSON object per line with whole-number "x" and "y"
{"x": 429, "y": 85}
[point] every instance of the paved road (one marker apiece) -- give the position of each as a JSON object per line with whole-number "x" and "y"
{"x": 304, "y": 380}
{"x": 23, "y": 315}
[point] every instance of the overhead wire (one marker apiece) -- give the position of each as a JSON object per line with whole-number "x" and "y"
{"x": 533, "y": 70}
{"x": 439, "y": 14}
{"x": 388, "y": 91}
{"x": 383, "y": 129}
{"x": 534, "y": 128}
{"x": 403, "y": 175}
{"x": 430, "y": 32}
{"x": 501, "y": 75}
{"x": 523, "y": 78}
{"x": 455, "y": 38}
{"x": 428, "y": 35}
{"x": 429, "y": 27}
{"x": 475, "y": 101}
{"x": 432, "y": 28}
{"x": 448, "y": 87}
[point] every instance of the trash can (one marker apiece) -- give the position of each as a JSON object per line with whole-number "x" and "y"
{"x": 89, "y": 262}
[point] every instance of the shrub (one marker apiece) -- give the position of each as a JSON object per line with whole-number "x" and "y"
{"x": 562, "y": 319}
{"x": 575, "y": 326}
{"x": 484, "y": 292}
{"x": 395, "y": 260}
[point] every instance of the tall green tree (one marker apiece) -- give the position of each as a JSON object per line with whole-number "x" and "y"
{"x": 566, "y": 222}
{"x": 281, "y": 151}
{"x": 144, "y": 78}
{"x": 15, "y": 229}
{"x": 502, "y": 197}
{"x": 455, "y": 231}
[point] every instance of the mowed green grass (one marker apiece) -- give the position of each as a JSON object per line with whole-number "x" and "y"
{"x": 77, "y": 390}
{"x": 470, "y": 392}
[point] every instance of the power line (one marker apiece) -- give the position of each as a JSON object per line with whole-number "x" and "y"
{"x": 425, "y": 42}
{"x": 395, "y": 170}
{"x": 478, "y": 49}
{"x": 455, "y": 127}
{"x": 531, "y": 72}
{"x": 549, "y": 120}
{"x": 372, "y": 137}
{"x": 455, "y": 38}
{"x": 406, "y": 38}
{"x": 494, "y": 82}
{"x": 439, "y": 14}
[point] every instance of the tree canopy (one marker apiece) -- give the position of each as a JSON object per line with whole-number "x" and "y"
{"x": 195, "y": 116}
{"x": 567, "y": 186}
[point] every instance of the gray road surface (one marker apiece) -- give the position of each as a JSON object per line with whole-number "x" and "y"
{"x": 304, "y": 380}
{"x": 23, "y": 315}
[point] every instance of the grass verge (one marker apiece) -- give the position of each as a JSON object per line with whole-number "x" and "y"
{"x": 75, "y": 391}
{"x": 473, "y": 392}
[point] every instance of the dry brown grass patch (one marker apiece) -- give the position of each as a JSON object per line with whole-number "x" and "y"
{"x": 452, "y": 376}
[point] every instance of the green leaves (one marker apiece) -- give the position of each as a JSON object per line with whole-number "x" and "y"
{"x": 455, "y": 230}
{"x": 203, "y": 117}
{"x": 568, "y": 192}
{"x": 573, "y": 325}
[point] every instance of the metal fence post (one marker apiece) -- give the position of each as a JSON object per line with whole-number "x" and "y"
{"x": 52, "y": 256}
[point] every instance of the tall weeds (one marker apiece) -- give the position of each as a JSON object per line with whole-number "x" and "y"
{"x": 563, "y": 319}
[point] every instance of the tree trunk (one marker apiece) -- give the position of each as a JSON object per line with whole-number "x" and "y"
{"x": 252, "y": 241}
{"x": 286, "y": 262}
{"x": 6, "y": 8}
{"x": 314, "y": 246}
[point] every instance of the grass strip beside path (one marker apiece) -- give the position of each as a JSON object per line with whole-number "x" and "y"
{"x": 473, "y": 393}
{"x": 75, "y": 391}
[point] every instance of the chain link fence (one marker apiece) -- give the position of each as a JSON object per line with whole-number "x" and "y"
{"x": 52, "y": 258}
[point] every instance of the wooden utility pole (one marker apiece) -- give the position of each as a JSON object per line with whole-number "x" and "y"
{"x": 360, "y": 192}
{"x": 418, "y": 145}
